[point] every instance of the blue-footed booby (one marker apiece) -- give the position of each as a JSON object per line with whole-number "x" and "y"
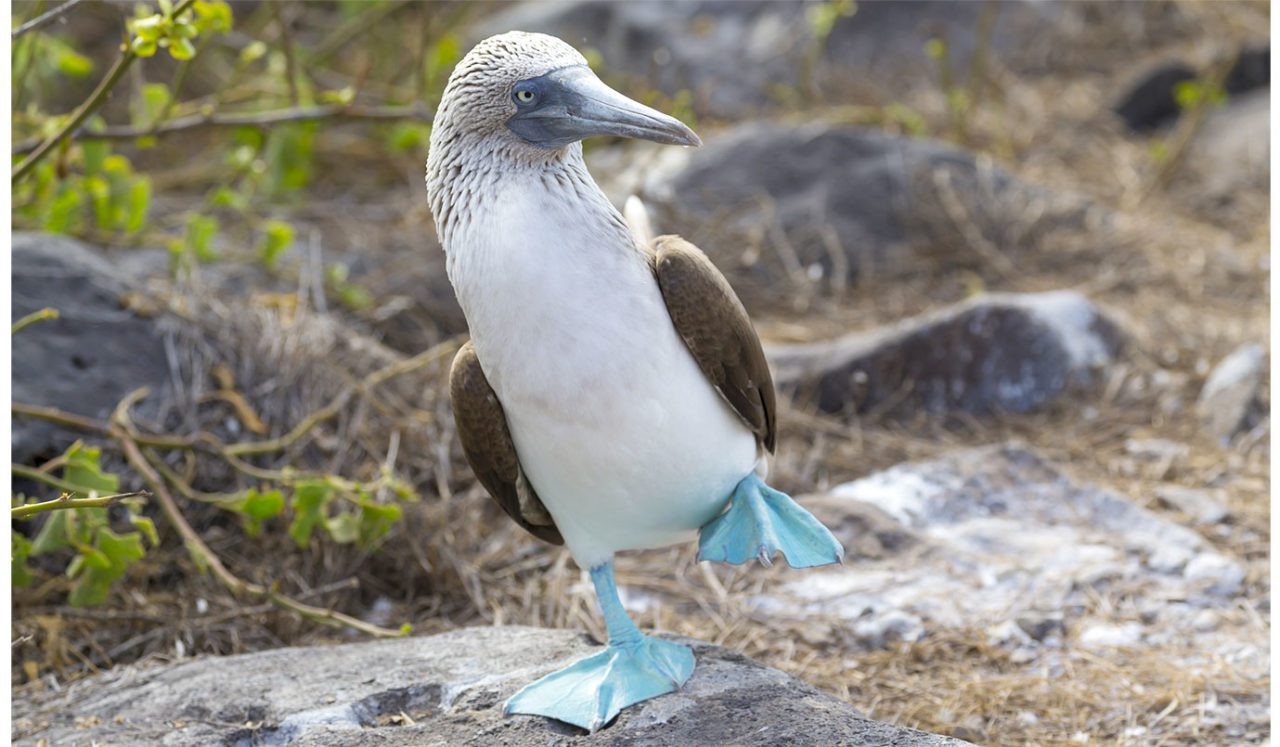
{"x": 614, "y": 395}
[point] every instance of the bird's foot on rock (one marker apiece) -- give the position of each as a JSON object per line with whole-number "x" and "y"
{"x": 762, "y": 521}
{"x": 591, "y": 691}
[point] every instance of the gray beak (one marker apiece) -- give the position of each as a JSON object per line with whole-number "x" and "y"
{"x": 570, "y": 104}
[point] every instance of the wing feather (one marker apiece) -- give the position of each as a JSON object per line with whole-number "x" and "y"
{"x": 486, "y": 440}
{"x": 715, "y": 327}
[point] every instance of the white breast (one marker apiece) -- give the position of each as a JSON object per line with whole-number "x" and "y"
{"x": 622, "y": 436}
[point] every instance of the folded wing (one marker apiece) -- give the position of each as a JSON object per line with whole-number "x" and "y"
{"x": 486, "y": 440}
{"x": 715, "y": 327}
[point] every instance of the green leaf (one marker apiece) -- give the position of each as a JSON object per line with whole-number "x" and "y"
{"x": 355, "y": 297}
{"x": 276, "y": 240}
{"x": 150, "y": 27}
{"x": 213, "y": 16}
{"x": 287, "y": 153}
{"x": 54, "y": 534}
{"x": 82, "y": 469}
{"x": 117, "y": 164}
{"x": 125, "y": 548}
{"x": 310, "y": 498}
{"x": 344, "y": 528}
{"x": 444, "y": 54}
{"x": 19, "y": 571}
{"x": 92, "y": 558}
{"x": 100, "y": 191}
{"x": 143, "y": 47}
{"x": 103, "y": 564}
{"x": 137, "y": 204}
{"x": 181, "y": 48}
{"x": 69, "y": 62}
{"x": 227, "y": 197}
{"x": 349, "y": 294}
{"x": 147, "y": 527}
{"x": 64, "y": 210}
{"x": 151, "y": 104}
{"x": 408, "y": 136}
{"x": 340, "y": 96}
{"x": 375, "y": 521}
{"x": 93, "y": 154}
{"x": 252, "y": 52}
{"x": 258, "y": 507}
{"x": 201, "y": 229}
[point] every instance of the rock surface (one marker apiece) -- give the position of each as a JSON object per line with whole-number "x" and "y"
{"x": 89, "y": 358}
{"x": 1229, "y": 400}
{"x": 1232, "y": 150}
{"x": 823, "y": 200}
{"x": 998, "y": 538}
{"x": 1009, "y": 352}
{"x": 1150, "y": 101}
{"x": 439, "y": 690}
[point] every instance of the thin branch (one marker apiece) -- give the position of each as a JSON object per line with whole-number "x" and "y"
{"x": 87, "y": 108}
{"x": 31, "y": 473}
{"x": 45, "y": 19}
{"x": 32, "y": 318}
{"x": 66, "y": 501}
{"x": 95, "y": 100}
{"x": 82, "y": 423}
{"x": 248, "y": 119}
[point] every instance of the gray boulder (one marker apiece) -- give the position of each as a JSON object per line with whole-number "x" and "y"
{"x": 1149, "y": 101}
{"x": 1005, "y": 541}
{"x": 89, "y": 358}
{"x": 1010, "y": 352}
{"x": 1228, "y": 403}
{"x": 1231, "y": 152}
{"x": 825, "y": 202}
{"x": 441, "y": 690}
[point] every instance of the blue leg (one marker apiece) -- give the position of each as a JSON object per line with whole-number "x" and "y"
{"x": 760, "y": 522}
{"x": 632, "y": 668}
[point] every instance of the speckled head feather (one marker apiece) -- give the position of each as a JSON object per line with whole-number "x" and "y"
{"x": 477, "y": 98}
{"x": 468, "y": 136}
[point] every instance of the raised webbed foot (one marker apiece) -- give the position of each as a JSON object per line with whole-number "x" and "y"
{"x": 762, "y": 521}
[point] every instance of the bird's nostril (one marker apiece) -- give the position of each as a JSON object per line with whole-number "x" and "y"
{"x": 81, "y": 362}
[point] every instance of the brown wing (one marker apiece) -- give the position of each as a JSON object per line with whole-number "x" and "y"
{"x": 714, "y": 326}
{"x": 486, "y": 440}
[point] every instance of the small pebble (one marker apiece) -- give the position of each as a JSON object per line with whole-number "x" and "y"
{"x": 1206, "y": 620}
{"x": 1107, "y": 635}
{"x": 1219, "y": 574}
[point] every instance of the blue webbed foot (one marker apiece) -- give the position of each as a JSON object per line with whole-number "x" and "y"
{"x": 591, "y": 691}
{"x": 762, "y": 521}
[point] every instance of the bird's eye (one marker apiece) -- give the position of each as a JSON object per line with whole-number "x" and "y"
{"x": 525, "y": 96}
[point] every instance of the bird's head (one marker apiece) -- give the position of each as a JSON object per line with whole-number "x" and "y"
{"x": 534, "y": 94}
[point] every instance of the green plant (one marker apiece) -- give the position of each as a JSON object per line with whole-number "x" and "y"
{"x": 95, "y": 171}
{"x": 80, "y": 521}
{"x": 75, "y": 173}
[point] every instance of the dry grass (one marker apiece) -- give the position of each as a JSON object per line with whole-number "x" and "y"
{"x": 1190, "y": 285}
